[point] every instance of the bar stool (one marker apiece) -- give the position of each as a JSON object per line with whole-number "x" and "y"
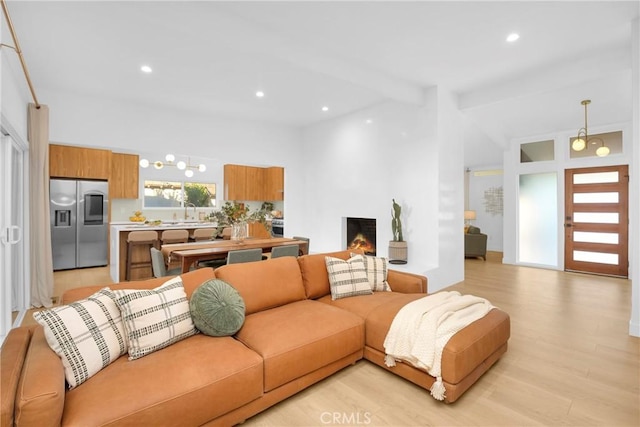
{"x": 146, "y": 238}
{"x": 175, "y": 236}
{"x": 204, "y": 234}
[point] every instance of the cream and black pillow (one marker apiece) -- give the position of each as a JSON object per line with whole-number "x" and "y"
{"x": 377, "y": 270}
{"x": 87, "y": 335}
{"x": 347, "y": 278}
{"x": 156, "y": 318}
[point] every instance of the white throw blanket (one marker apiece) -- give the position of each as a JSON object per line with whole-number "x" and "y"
{"x": 422, "y": 328}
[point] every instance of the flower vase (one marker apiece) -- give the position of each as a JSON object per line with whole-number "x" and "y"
{"x": 239, "y": 231}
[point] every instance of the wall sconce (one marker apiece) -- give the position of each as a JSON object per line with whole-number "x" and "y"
{"x": 582, "y": 140}
{"x": 188, "y": 168}
{"x": 469, "y": 216}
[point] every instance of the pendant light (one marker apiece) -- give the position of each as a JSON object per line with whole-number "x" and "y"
{"x": 582, "y": 141}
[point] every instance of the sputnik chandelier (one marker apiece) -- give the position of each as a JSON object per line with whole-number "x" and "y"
{"x": 170, "y": 160}
{"x": 582, "y": 141}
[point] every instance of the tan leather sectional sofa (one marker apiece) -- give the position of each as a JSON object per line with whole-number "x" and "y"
{"x": 294, "y": 335}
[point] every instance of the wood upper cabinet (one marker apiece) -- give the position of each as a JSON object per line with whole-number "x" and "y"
{"x": 252, "y": 183}
{"x": 66, "y": 161}
{"x": 124, "y": 181}
{"x": 274, "y": 183}
{"x": 255, "y": 183}
{"x": 235, "y": 182}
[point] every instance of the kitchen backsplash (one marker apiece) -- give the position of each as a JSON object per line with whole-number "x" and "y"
{"x": 122, "y": 209}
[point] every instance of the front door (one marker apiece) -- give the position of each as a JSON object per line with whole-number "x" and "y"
{"x": 596, "y": 220}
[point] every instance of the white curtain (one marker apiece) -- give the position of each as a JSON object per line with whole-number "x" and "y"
{"x": 39, "y": 226}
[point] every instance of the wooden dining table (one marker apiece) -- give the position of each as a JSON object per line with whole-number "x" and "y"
{"x": 189, "y": 253}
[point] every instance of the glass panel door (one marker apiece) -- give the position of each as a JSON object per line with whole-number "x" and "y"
{"x": 12, "y": 214}
{"x": 596, "y": 220}
{"x": 538, "y": 219}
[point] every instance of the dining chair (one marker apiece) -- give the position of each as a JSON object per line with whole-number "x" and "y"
{"x": 304, "y": 249}
{"x": 287, "y": 250}
{"x": 158, "y": 266}
{"x": 244, "y": 255}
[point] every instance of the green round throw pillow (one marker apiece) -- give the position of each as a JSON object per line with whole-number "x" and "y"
{"x": 217, "y": 309}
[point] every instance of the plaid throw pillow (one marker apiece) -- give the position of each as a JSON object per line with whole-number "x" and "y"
{"x": 87, "y": 335}
{"x": 156, "y": 318}
{"x": 347, "y": 278}
{"x": 377, "y": 268}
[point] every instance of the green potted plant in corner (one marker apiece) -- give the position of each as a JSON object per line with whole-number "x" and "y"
{"x": 397, "y": 246}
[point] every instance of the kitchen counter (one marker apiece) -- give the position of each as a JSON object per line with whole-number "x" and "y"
{"x": 182, "y": 225}
{"x": 118, "y": 236}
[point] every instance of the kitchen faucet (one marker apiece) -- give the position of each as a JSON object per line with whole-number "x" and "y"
{"x": 186, "y": 205}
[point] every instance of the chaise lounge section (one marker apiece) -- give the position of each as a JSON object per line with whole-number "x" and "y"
{"x": 293, "y": 336}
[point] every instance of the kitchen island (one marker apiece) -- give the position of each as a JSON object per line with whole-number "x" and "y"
{"x": 118, "y": 245}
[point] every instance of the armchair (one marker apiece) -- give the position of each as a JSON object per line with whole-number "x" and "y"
{"x": 475, "y": 243}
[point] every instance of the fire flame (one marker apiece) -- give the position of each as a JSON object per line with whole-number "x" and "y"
{"x": 361, "y": 242}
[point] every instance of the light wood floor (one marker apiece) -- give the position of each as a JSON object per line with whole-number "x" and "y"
{"x": 570, "y": 361}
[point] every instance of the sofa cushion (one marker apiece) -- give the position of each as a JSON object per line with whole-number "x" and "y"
{"x": 301, "y": 337}
{"x": 473, "y": 230}
{"x": 377, "y": 269}
{"x": 40, "y": 396}
{"x": 217, "y": 309}
{"x": 265, "y": 284}
{"x": 466, "y": 350}
{"x": 12, "y": 357}
{"x": 87, "y": 335}
{"x": 190, "y": 281}
{"x": 155, "y": 318}
{"x": 186, "y": 384}
{"x": 362, "y": 305}
{"x": 347, "y": 278}
{"x": 314, "y": 272}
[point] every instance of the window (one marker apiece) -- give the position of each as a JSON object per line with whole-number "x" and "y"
{"x": 612, "y": 140}
{"x": 175, "y": 194}
{"x": 536, "y": 151}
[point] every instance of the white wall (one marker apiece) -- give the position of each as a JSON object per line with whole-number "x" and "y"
{"x": 130, "y": 127}
{"x": 14, "y": 96}
{"x": 450, "y": 195}
{"x": 412, "y": 154}
{"x": 153, "y": 132}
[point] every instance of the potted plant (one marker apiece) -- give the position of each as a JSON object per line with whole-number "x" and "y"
{"x": 397, "y": 246}
{"x": 237, "y": 215}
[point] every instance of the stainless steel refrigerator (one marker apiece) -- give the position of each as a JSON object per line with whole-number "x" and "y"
{"x": 79, "y": 212}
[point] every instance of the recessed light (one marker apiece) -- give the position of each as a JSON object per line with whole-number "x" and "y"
{"x": 260, "y": 94}
{"x": 368, "y": 121}
{"x": 146, "y": 69}
{"x": 513, "y": 37}
{"x": 325, "y": 108}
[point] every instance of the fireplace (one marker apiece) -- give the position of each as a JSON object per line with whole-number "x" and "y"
{"x": 361, "y": 234}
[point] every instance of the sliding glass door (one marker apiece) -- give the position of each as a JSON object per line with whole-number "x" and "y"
{"x": 13, "y": 272}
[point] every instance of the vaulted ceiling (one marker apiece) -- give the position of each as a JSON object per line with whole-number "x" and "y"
{"x": 211, "y": 57}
